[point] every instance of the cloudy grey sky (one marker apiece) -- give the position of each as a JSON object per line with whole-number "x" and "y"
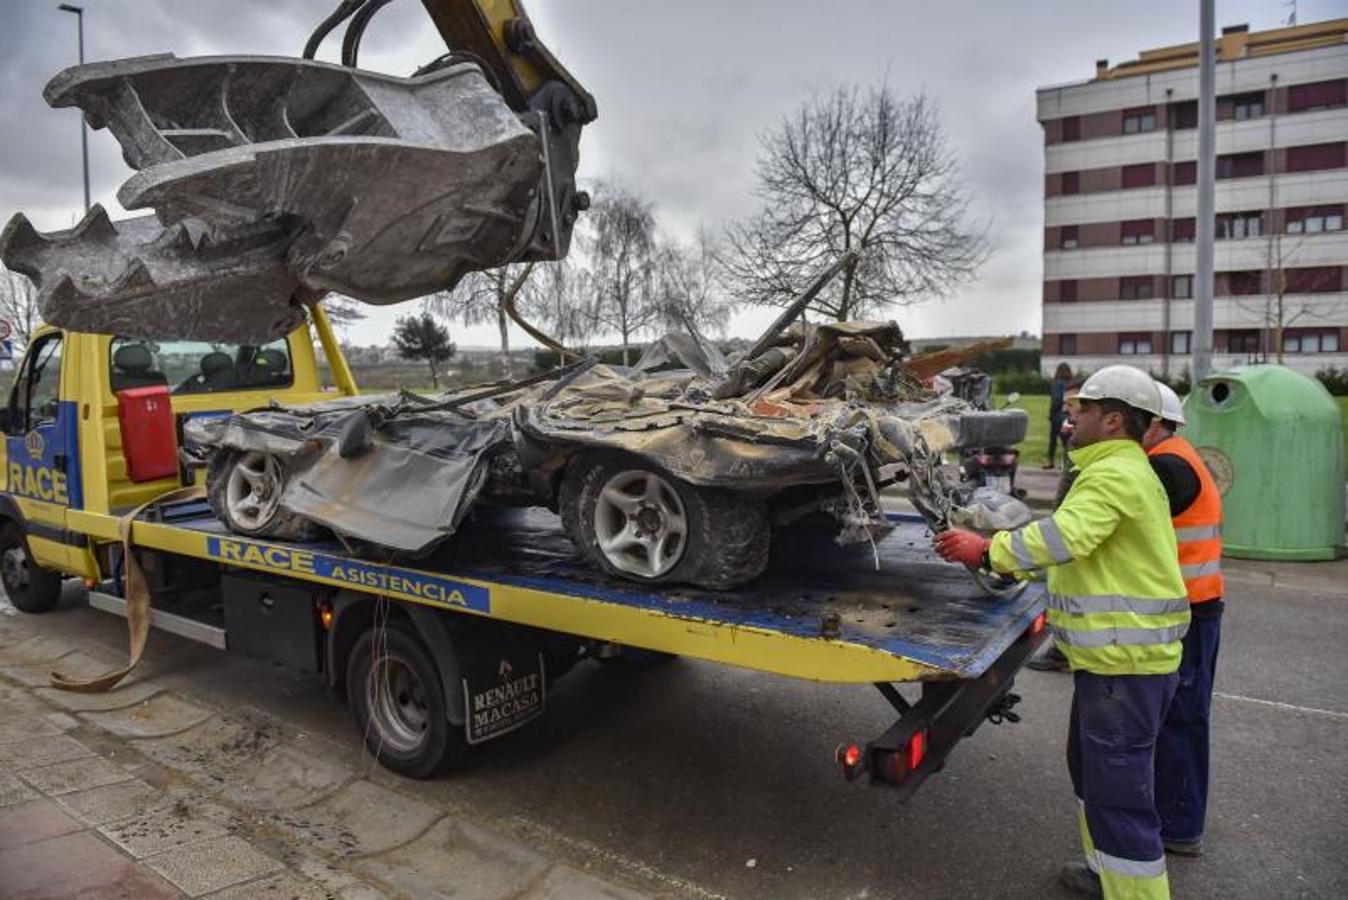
{"x": 684, "y": 89}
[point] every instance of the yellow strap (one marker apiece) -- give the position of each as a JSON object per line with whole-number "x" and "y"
{"x": 137, "y": 599}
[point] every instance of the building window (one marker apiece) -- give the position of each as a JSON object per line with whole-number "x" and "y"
{"x": 1182, "y": 287}
{"x": 1136, "y": 287}
{"x": 1071, "y": 182}
{"x": 1315, "y": 280}
{"x": 1138, "y": 231}
{"x": 1246, "y": 341}
{"x": 1140, "y": 119}
{"x": 1134, "y": 344}
{"x": 1319, "y": 95}
{"x": 1067, "y": 344}
{"x": 1314, "y": 219}
{"x": 1184, "y": 114}
{"x": 1240, "y": 225}
{"x": 1184, "y": 172}
{"x": 1071, "y": 129}
{"x": 1182, "y": 230}
{"x": 1315, "y": 157}
{"x": 1247, "y": 106}
{"x": 1308, "y": 341}
{"x": 1067, "y": 291}
{"x": 1240, "y": 165}
{"x": 1179, "y": 342}
{"x": 1244, "y": 283}
{"x": 1068, "y": 237}
{"x": 1139, "y": 175}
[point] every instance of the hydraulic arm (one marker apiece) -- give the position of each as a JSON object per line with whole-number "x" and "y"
{"x": 274, "y": 180}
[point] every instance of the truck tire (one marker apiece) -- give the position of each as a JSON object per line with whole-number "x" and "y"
{"x": 395, "y": 693}
{"x": 31, "y": 588}
{"x": 244, "y": 489}
{"x": 634, "y": 521}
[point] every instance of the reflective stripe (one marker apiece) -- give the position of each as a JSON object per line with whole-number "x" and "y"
{"x": 1018, "y": 550}
{"x": 1057, "y": 548}
{"x": 1116, "y": 603}
{"x": 1111, "y": 637}
{"x": 1136, "y": 868}
{"x": 1198, "y": 533}
{"x": 1214, "y": 567}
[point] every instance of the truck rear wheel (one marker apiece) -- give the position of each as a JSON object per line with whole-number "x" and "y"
{"x": 634, "y": 521}
{"x": 396, "y": 696}
{"x": 31, "y": 588}
{"x": 244, "y": 490}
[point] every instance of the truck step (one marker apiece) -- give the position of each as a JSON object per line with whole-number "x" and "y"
{"x": 180, "y": 625}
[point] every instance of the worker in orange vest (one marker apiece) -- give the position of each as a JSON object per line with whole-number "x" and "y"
{"x": 1182, "y": 744}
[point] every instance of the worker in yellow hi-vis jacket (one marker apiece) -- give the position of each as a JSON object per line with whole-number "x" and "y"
{"x": 1118, "y": 611}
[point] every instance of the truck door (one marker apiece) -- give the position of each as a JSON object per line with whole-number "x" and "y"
{"x": 42, "y": 470}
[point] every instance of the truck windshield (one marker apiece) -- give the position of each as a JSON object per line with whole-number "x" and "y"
{"x": 198, "y": 367}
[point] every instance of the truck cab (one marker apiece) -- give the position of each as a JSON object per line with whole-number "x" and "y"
{"x": 72, "y": 463}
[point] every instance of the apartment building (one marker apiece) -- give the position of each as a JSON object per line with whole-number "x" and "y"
{"x": 1119, "y": 204}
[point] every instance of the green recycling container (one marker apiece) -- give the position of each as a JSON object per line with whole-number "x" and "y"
{"x": 1273, "y": 440}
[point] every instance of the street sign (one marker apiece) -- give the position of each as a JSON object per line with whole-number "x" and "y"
{"x": 6, "y": 350}
{"x": 6, "y": 329}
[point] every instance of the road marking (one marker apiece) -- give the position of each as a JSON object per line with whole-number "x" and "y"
{"x": 1290, "y": 707}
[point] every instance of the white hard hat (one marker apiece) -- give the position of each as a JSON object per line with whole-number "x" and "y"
{"x": 1171, "y": 408}
{"x": 1124, "y": 383}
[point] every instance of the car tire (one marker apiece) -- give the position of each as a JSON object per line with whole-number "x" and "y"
{"x": 31, "y": 588}
{"x": 724, "y": 541}
{"x": 225, "y": 480}
{"x": 397, "y": 698}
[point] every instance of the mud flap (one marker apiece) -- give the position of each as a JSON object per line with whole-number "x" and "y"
{"x": 504, "y": 687}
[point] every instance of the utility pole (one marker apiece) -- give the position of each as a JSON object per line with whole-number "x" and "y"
{"x": 1205, "y": 224}
{"x": 84, "y": 129}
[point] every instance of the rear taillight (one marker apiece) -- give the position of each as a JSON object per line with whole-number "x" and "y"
{"x": 1007, "y": 458}
{"x": 984, "y": 459}
{"x": 1038, "y": 624}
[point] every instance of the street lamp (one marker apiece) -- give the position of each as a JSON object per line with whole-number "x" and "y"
{"x": 84, "y": 131}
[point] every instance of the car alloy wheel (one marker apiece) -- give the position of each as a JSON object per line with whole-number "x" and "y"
{"x": 640, "y": 523}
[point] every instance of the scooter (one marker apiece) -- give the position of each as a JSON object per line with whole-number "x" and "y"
{"x": 993, "y": 467}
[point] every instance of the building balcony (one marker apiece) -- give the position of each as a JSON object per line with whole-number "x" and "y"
{"x": 1232, "y": 255}
{"x": 1231, "y": 195}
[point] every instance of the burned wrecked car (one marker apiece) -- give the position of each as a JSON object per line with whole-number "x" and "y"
{"x": 674, "y": 470}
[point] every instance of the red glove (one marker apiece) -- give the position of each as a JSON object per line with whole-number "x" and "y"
{"x": 962, "y": 547}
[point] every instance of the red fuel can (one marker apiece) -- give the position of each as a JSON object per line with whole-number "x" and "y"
{"x": 149, "y": 440}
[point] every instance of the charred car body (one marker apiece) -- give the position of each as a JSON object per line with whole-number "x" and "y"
{"x": 675, "y": 470}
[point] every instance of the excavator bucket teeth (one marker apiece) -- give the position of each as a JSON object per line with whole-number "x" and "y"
{"x": 274, "y": 180}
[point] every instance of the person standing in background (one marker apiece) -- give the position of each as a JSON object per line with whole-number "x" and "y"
{"x": 1057, "y": 412}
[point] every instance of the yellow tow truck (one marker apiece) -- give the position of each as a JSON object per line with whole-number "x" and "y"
{"x": 438, "y": 655}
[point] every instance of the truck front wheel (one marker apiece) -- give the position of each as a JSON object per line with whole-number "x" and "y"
{"x": 31, "y": 588}
{"x": 396, "y": 696}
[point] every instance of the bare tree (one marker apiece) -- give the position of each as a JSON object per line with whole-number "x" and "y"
{"x": 559, "y": 301}
{"x": 623, "y": 263}
{"x": 1276, "y": 311}
{"x": 18, "y": 306}
{"x": 343, "y": 312}
{"x": 863, "y": 171}
{"x": 483, "y": 297}
{"x": 688, "y": 293}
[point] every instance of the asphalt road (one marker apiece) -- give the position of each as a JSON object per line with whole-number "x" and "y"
{"x": 691, "y": 779}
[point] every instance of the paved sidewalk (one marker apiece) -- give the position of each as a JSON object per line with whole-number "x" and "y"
{"x": 142, "y": 793}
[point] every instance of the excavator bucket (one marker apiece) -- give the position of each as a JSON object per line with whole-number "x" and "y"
{"x": 275, "y": 180}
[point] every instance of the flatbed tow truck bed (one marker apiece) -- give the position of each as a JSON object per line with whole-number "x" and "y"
{"x": 821, "y": 612}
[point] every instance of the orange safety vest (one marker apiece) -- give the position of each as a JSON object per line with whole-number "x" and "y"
{"x": 1198, "y": 529}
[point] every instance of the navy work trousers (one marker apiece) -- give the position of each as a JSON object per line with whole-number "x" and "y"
{"x": 1111, "y": 745}
{"x": 1182, "y": 747}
